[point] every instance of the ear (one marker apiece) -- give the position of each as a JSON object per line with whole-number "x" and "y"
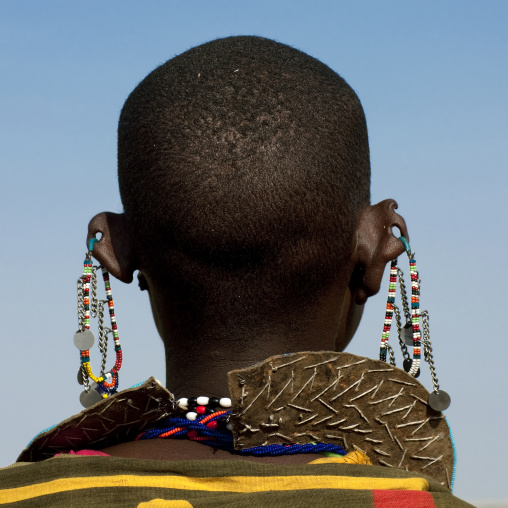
{"x": 114, "y": 250}
{"x": 376, "y": 245}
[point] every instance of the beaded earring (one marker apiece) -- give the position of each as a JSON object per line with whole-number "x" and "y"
{"x": 410, "y": 333}
{"x": 107, "y": 382}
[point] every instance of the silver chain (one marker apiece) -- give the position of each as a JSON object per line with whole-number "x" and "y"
{"x": 391, "y": 355}
{"x": 94, "y": 309}
{"x": 93, "y": 287}
{"x": 81, "y": 326}
{"x": 103, "y": 335}
{"x": 427, "y": 349}
{"x": 81, "y": 305}
{"x": 84, "y": 376}
{"x": 403, "y": 346}
{"x": 403, "y": 295}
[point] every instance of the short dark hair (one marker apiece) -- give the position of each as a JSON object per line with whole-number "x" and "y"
{"x": 242, "y": 165}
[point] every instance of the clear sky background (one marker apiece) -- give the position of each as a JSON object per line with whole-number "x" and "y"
{"x": 432, "y": 77}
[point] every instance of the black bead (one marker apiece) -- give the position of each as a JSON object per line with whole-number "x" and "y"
{"x": 222, "y": 422}
{"x": 192, "y": 400}
{"x": 407, "y": 364}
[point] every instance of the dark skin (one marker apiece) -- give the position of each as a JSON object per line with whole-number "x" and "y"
{"x": 328, "y": 324}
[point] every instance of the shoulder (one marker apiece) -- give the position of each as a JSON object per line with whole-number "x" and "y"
{"x": 222, "y": 482}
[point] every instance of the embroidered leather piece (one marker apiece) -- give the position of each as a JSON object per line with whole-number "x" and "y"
{"x": 114, "y": 420}
{"x": 346, "y": 399}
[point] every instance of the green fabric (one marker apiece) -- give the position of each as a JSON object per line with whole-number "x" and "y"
{"x": 73, "y": 471}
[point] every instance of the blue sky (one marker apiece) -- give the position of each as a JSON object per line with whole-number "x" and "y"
{"x": 432, "y": 79}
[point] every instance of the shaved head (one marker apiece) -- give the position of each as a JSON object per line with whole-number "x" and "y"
{"x": 242, "y": 166}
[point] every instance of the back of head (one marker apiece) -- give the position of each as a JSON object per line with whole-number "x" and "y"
{"x": 242, "y": 165}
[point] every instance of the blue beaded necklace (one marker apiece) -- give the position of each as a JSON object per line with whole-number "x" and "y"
{"x": 211, "y": 430}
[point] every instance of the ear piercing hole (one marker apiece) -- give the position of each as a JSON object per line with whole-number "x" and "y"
{"x": 396, "y": 231}
{"x": 94, "y": 240}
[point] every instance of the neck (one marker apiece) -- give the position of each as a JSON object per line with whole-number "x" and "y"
{"x": 198, "y": 363}
{"x": 201, "y": 367}
{"x": 200, "y": 354}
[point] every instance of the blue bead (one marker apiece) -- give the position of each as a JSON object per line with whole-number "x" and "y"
{"x": 91, "y": 243}
{"x": 406, "y": 243}
{"x": 224, "y": 439}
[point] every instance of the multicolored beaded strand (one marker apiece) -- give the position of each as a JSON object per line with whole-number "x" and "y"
{"x": 193, "y": 407}
{"x": 392, "y": 286}
{"x": 414, "y": 366}
{"x": 205, "y": 420}
{"x": 415, "y": 313}
{"x": 107, "y": 383}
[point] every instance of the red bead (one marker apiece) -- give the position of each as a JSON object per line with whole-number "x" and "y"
{"x": 201, "y": 410}
{"x": 192, "y": 433}
{"x": 212, "y": 425}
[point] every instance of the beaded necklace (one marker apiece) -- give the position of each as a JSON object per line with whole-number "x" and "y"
{"x": 206, "y": 420}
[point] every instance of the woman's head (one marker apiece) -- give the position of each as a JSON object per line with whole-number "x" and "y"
{"x": 244, "y": 173}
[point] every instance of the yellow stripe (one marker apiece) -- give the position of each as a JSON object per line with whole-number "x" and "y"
{"x": 355, "y": 457}
{"x": 163, "y": 503}
{"x": 243, "y": 484}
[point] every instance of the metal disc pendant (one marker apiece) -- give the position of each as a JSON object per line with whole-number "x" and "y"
{"x": 84, "y": 340}
{"x": 439, "y": 401}
{"x": 81, "y": 381}
{"x": 90, "y": 398}
{"x": 407, "y": 364}
{"x": 407, "y": 334}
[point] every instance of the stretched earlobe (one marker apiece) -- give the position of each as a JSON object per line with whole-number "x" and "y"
{"x": 375, "y": 246}
{"x": 114, "y": 250}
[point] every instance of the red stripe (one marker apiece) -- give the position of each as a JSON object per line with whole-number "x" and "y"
{"x": 402, "y": 499}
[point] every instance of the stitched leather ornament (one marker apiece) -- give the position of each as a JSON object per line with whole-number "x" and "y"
{"x": 114, "y": 420}
{"x": 343, "y": 399}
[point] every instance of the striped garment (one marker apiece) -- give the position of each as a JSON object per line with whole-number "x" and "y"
{"x": 88, "y": 481}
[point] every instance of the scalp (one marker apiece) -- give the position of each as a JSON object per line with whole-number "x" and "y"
{"x": 245, "y": 162}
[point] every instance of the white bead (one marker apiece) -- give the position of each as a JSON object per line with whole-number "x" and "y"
{"x": 225, "y": 402}
{"x": 191, "y": 415}
{"x": 202, "y": 401}
{"x": 182, "y": 403}
{"x": 229, "y": 426}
